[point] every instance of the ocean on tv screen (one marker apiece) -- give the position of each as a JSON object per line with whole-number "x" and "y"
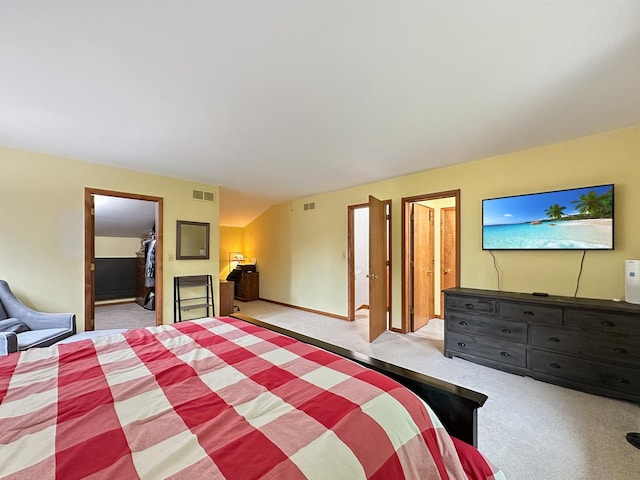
{"x": 569, "y": 234}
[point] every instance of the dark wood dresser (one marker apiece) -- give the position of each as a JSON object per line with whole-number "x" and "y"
{"x": 248, "y": 287}
{"x": 585, "y": 344}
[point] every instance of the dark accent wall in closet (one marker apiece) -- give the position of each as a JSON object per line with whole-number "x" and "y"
{"x": 116, "y": 278}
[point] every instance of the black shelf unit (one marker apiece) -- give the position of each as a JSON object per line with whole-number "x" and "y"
{"x": 204, "y": 301}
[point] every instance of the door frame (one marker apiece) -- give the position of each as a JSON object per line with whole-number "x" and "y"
{"x": 351, "y": 288}
{"x": 406, "y": 253}
{"x": 89, "y": 251}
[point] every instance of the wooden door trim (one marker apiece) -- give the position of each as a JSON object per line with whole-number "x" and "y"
{"x": 405, "y": 253}
{"x": 89, "y": 232}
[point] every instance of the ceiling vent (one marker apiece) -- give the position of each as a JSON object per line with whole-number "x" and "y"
{"x": 204, "y": 196}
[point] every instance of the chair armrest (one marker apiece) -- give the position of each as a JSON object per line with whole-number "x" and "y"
{"x": 8, "y": 343}
{"x": 39, "y": 320}
{"x": 35, "y": 320}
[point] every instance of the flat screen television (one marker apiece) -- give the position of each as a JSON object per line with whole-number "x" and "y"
{"x": 572, "y": 219}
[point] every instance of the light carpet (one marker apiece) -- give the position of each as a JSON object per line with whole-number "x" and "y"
{"x": 123, "y": 315}
{"x": 530, "y": 429}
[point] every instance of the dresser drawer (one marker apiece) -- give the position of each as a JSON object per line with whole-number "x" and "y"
{"x": 471, "y": 304}
{"x": 607, "y": 347}
{"x": 613, "y": 377}
{"x": 530, "y": 313}
{"x": 488, "y": 348}
{"x": 603, "y": 321}
{"x": 493, "y": 327}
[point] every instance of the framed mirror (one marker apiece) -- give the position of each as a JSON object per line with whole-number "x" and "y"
{"x": 192, "y": 240}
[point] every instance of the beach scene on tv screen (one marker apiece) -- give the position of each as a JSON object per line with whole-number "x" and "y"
{"x": 579, "y": 219}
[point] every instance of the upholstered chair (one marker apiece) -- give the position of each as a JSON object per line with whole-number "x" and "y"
{"x": 22, "y": 328}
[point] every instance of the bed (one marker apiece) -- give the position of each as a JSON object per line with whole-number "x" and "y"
{"x": 217, "y": 398}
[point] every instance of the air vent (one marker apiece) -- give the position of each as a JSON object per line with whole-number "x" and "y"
{"x": 204, "y": 196}
{"x": 310, "y": 206}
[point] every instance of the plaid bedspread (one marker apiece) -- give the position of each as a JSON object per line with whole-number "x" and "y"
{"x": 211, "y": 398}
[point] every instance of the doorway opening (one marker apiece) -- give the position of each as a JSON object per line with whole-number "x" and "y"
{"x": 116, "y": 213}
{"x": 369, "y": 264}
{"x": 431, "y": 255}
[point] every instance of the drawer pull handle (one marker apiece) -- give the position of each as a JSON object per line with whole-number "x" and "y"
{"x": 554, "y": 365}
{"x": 462, "y": 344}
{"x": 623, "y": 381}
{"x": 504, "y": 354}
{"x": 554, "y": 339}
{"x": 620, "y": 350}
{"x": 607, "y": 324}
{"x": 528, "y": 313}
{"x": 464, "y": 324}
{"x": 469, "y": 306}
{"x": 506, "y": 330}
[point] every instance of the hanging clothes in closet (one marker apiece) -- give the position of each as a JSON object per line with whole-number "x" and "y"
{"x": 150, "y": 273}
{"x": 150, "y": 263}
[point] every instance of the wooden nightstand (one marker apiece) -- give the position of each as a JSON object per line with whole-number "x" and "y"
{"x": 226, "y": 298}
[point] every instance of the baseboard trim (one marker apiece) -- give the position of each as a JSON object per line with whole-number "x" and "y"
{"x": 309, "y": 310}
{"x": 107, "y": 303}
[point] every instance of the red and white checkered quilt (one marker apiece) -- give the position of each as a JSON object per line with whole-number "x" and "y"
{"x": 211, "y": 398}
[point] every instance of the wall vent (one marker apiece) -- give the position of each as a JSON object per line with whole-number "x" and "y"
{"x": 310, "y": 206}
{"x": 204, "y": 196}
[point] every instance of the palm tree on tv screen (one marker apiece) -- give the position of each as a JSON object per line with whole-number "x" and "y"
{"x": 590, "y": 204}
{"x": 555, "y": 211}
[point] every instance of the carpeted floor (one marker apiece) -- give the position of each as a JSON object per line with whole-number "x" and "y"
{"x": 530, "y": 429}
{"x": 123, "y": 315}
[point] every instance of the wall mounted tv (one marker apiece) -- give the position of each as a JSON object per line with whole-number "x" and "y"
{"x": 572, "y": 219}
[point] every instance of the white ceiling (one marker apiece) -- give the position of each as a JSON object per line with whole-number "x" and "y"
{"x": 284, "y": 99}
{"x": 123, "y": 217}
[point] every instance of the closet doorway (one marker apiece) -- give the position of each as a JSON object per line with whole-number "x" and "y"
{"x": 154, "y": 238}
{"x": 431, "y": 255}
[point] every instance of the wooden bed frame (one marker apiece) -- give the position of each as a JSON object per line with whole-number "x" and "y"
{"x": 454, "y": 405}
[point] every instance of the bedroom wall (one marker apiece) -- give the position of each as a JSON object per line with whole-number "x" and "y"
{"x": 303, "y": 253}
{"x": 231, "y": 240}
{"x": 42, "y": 221}
{"x": 116, "y": 247}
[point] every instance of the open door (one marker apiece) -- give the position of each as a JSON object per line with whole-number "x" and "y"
{"x": 437, "y": 256}
{"x": 377, "y": 268}
{"x": 448, "y": 261}
{"x": 422, "y": 253}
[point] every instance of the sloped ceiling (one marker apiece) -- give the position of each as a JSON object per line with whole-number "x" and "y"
{"x": 276, "y": 100}
{"x": 123, "y": 217}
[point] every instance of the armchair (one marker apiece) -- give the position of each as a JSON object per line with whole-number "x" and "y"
{"x": 22, "y": 328}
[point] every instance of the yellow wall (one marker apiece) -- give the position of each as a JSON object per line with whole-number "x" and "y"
{"x": 114, "y": 247}
{"x": 231, "y": 240}
{"x": 302, "y": 253}
{"x": 42, "y": 225}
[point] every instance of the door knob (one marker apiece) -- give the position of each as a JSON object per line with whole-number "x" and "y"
{"x": 447, "y": 270}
